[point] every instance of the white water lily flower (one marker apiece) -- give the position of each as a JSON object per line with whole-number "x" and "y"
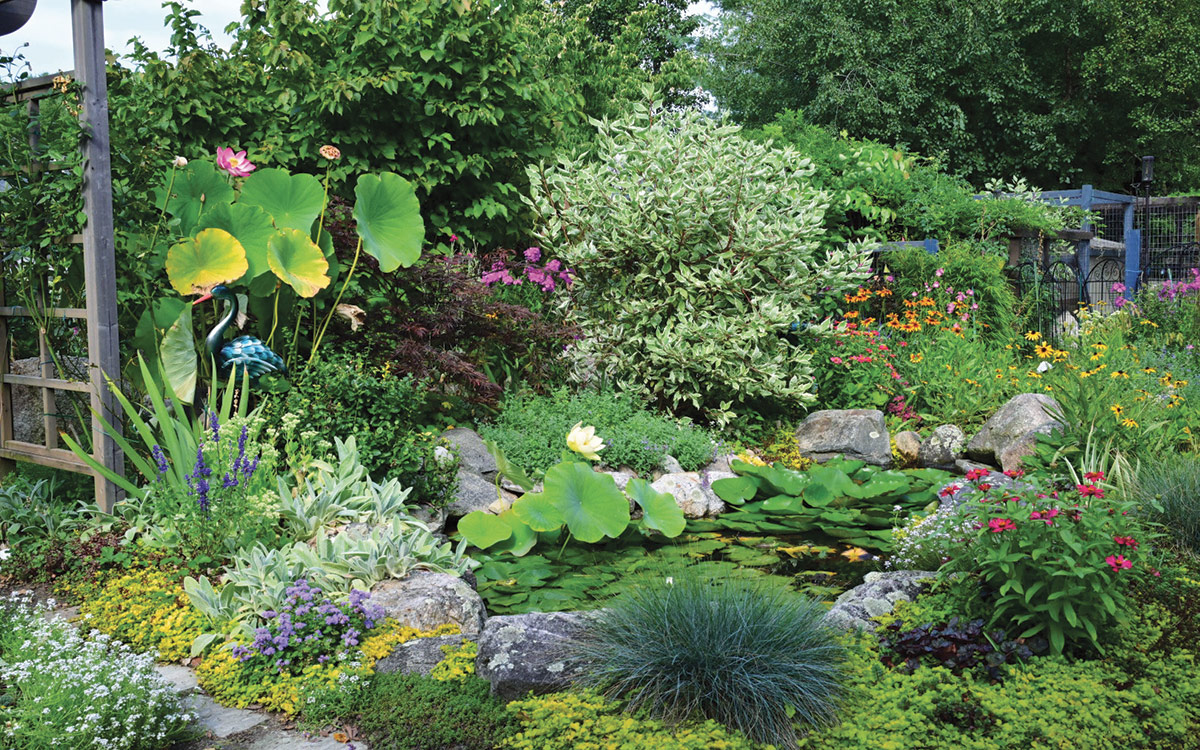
{"x": 583, "y": 440}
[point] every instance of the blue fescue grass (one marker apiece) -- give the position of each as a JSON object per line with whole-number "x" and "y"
{"x": 1173, "y": 485}
{"x": 755, "y": 658}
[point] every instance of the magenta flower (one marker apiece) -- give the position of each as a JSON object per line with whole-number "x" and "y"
{"x": 1118, "y": 563}
{"x": 235, "y": 164}
{"x": 999, "y": 525}
{"x": 533, "y": 255}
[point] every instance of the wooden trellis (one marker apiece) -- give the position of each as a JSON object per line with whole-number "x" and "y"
{"x": 100, "y": 313}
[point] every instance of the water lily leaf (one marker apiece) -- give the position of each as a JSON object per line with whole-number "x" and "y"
{"x": 484, "y": 529}
{"x": 539, "y": 511}
{"x": 294, "y": 258}
{"x": 197, "y": 264}
{"x": 389, "y": 220}
{"x": 250, "y": 225}
{"x": 659, "y": 509}
{"x": 736, "y": 490}
{"x": 179, "y": 357}
{"x": 523, "y": 538}
{"x": 197, "y": 188}
{"x": 293, "y": 201}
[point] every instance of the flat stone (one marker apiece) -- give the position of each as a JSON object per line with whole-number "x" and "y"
{"x": 291, "y": 740}
{"x": 473, "y": 454}
{"x": 220, "y": 720}
{"x": 671, "y": 465}
{"x": 425, "y": 600}
{"x": 418, "y": 656}
{"x": 473, "y": 493}
{"x": 858, "y": 434}
{"x": 182, "y": 679}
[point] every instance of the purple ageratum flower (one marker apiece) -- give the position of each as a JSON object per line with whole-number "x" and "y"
{"x": 350, "y": 637}
{"x": 160, "y": 459}
{"x": 533, "y": 255}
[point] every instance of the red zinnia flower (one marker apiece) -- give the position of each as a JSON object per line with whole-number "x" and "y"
{"x": 998, "y": 525}
{"x": 1118, "y": 563}
{"x": 1089, "y": 490}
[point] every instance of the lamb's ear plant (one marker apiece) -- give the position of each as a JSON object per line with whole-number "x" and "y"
{"x": 755, "y": 658}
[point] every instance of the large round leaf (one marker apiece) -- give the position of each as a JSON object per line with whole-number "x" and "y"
{"x": 659, "y": 509}
{"x": 293, "y": 201}
{"x": 197, "y": 188}
{"x": 389, "y": 219}
{"x": 293, "y": 257}
{"x": 250, "y": 225}
{"x": 539, "y": 511}
{"x": 212, "y": 257}
{"x": 589, "y": 501}
{"x": 179, "y": 357}
{"x": 523, "y": 538}
{"x": 483, "y": 529}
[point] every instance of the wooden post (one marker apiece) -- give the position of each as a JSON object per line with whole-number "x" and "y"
{"x": 87, "y": 25}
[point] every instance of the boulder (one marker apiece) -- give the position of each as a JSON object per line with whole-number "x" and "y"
{"x": 418, "y": 656}
{"x": 473, "y": 455}
{"x": 671, "y": 465}
{"x": 696, "y": 499}
{"x": 425, "y": 599}
{"x": 854, "y": 433}
{"x": 876, "y": 595}
{"x": 721, "y": 463}
{"x": 1010, "y": 434}
{"x": 473, "y": 493}
{"x": 529, "y": 652}
{"x": 908, "y": 445}
{"x": 943, "y": 448}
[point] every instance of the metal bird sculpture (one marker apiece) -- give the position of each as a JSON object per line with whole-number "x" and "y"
{"x": 246, "y": 353}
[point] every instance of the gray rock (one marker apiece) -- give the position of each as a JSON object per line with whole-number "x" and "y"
{"x": 908, "y": 446}
{"x": 434, "y": 518}
{"x": 181, "y": 679}
{"x": 530, "y": 652}
{"x": 854, "y": 433}
{"x": 424, "y": 600}
{"x": 670, "y": 465}
{"x": 1010, "y": 434}
{"x": 473, "y": 493}
{"x": 943, "y": 448}
{"x": 418, "y": 656}
{"x": 695, "y": 499}
{"x": 621, "y": 478}
{"x": 721, "y": 463}
{"x": 472, "y": 453}
{"x": 876, "y": 595}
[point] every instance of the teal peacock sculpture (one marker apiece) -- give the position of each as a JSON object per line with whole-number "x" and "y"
{"x": 244, "y": 352}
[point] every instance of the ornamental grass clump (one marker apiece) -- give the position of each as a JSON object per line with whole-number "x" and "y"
{"x": 754, "y": 658}
{"x": 1170, "y": 488}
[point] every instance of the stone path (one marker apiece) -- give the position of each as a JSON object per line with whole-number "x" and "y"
{"x": 224, "y": 728}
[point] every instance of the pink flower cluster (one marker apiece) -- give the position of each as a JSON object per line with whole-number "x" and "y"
{"x": 545, "y": 276}
{"x": 1183, "y": 288}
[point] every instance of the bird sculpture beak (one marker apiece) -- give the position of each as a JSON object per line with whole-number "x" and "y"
{"x": 204, "y": 298}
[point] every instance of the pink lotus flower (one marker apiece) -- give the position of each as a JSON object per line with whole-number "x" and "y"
{"x": 235, "y": 164}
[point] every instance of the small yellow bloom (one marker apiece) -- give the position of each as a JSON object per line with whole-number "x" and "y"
{"x": 1032, "y": 335}
{"x": 1119, "y": 374}
{"x": 583, "y": 440}
{"x": 915, "y": 358}
{"x": 1117, "y": 410}
{"x": 1128, "y": 423}
{"x": 1149, "y": 370}
{"x": 1043, "y": 350}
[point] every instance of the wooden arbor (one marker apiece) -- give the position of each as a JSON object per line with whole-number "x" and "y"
{"x": 100, "y": 313}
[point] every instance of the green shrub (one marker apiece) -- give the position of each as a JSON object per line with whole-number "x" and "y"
{"x": 585, "y": 721}
{"x": 339, "y": 396}
{"x": 531, "y": 429}
{"x": 1173, "y": 485}
{"x": 413, "y": 712}
{"x": 695, "y": 250}
{"x": 754, "y": 658}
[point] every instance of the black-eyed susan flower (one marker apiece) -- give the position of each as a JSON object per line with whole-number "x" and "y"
{"x": 1129, "y": 423}
{"x": 1044, "y": 350}
{"x": 1117, "y": 410}
{"x": 1119, "y": 374}
{"x": 1032, "y": 335}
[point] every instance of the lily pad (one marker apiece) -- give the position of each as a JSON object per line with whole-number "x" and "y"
{"x": 389, "y": 220}
{"x": 213, "y": 256}
{"x": 251, "y": 226}
{"x": 294, "y": 258}
{"x": 293, "y": 201}
{"x": 659, "y": 509}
